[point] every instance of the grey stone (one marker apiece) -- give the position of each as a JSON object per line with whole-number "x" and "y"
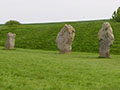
{"x": 106, "y": 39}
{"x": 10, "y": 42}
{"x": 65, "y": 38}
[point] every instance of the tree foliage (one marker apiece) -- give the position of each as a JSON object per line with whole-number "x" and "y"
{"x": 116, "y": 15}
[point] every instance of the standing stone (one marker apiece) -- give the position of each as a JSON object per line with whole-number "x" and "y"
{"x": 10, "y": 42}
{"x": 65, "y": 38}
{"x": 106, "y": 39}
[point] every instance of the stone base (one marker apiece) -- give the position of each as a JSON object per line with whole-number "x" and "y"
{"x": 106, "y": 55}
{"x": 104, "y": 49}
{"x": 65, "y": 52}
{"x": 9, "y": 49}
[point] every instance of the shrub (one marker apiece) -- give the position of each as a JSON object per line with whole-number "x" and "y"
{"x": 12, "y": 22}
{"x": 116, "y": 15}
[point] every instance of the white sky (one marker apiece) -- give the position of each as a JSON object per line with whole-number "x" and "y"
{"x": 37, "y": 11}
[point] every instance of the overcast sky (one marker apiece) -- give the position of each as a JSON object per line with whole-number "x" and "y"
{"x": 37, "y": 11}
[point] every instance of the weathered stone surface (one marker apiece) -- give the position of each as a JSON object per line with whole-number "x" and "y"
{"x": 65, "y": 38}
{"x": 10, "y": 42}
{"x": 106, "y": 39}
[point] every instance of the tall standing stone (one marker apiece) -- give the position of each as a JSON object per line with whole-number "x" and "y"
{"x": 65, "y": 38}
{"x": 106, "y": 39}
{"x": 10, "y": 42}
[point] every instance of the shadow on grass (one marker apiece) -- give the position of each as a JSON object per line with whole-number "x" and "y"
{"x": 8, "y": 49}
{"x": 70, "y": 55}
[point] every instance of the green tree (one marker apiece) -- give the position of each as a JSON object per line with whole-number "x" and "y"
{"x": 116, "y": 15}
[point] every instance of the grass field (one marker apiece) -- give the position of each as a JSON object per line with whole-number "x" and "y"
{"x": 42, "y": 36}
{"x": 25, "y": 69}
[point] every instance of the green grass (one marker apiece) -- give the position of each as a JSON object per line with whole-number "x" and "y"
{"x": 42, "y": 36}
{"x": 25, "y": 69}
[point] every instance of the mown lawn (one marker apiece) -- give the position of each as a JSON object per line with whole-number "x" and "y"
{"x": 25, "y": 69}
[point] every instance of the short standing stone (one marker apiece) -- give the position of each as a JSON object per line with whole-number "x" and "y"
{"x": 10, "y": 42}
{"x": 106, "y": 39}
{"x": 65, "y": 38}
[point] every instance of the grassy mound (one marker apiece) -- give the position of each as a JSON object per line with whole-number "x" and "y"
{"x": 12, "y": 22}
{"x": 42, "y": 36}
{"x": 24, "y": 69}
